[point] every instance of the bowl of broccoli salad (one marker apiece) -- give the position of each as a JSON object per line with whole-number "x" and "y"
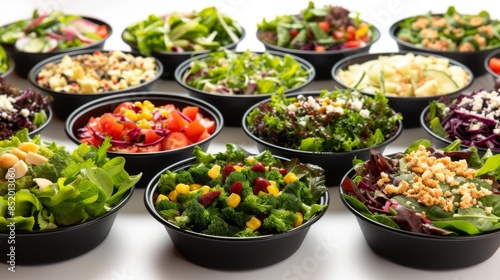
{"x": 213, "y": 205}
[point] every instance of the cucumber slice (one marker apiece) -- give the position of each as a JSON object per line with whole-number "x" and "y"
{"x": 36, "y": 45}
{"x": 446, "y": 83}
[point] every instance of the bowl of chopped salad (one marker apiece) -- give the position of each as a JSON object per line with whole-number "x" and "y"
{"x": 323, "y": 128}
{"x": 22, "y": 109}
{"x": 261, "y": 205}
{"x": 58, "y": 203}
{"x": 440, "y": 205}
{"x": 75, "y": 78}
{"x": 46, "y": 34}
{"x": 177, "y": 36}
{"x": 410, "y": 80}
{"x": 149, "y": 129}
{"x": 234, "y": 81}
{"x": 466, "y": 38}
{"x": 471, "y": 118}
{"x": 320, "y": 35}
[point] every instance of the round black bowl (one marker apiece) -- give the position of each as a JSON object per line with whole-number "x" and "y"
{"x": 409, "y": 107}
{"x": 334, "y": 164}
{"x": 41, "y": 127}
{"x": 171, "y": 60}
{"x": 12, "y": 66}
{"x": 26, "y": 60}
{"x": 55, "y": 245}
{"x": 495, "y": 76}
{"x": 421, "y": 250}
{"x": 323, "y": 61}
{"x": 218, "y": 252}
{"x": 473, "y": 60}
{"x": 149, "y": 163}
{"x": 232, "y": 107}
{"x": 64, "y": 103}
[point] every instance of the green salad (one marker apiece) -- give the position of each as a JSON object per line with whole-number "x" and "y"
{"x": 446, "y": 192}
{"x": 44, "y": 186}
{"x": 4, "y": 61}
{"x": 207, "y": 29}
{"x": 451, "y": 31}
{"x": 228, "y": 72}
{"x": 234, "y": 193}
{"x": 332, "y": 121}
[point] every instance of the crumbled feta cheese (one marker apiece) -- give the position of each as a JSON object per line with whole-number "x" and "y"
{"x": 356, "y": 105}
{"x": 365, "y": 113}
{"x": 291, "y": 108}
{"x": 338, "y": 110}
{"x": 24, "y": 112}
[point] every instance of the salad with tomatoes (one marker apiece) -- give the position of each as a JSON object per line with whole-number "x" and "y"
{"x": 141, "y": 126}
{"x": 317, "y": 29}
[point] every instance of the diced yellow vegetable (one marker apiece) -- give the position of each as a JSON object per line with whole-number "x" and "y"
{"x": 138, "y": 104}
{"x": 237, "y": 168}
{"x": 194, "y": 187}
{"x": 233, "y": 200}
{"x": 290, "y": 177}
{"x": 131, "y": 115}
{"x": 146, "y": 115}
{"x": 205, "y": 189}
{"x": 143, "y": 124}
{"x": 161, "y": 197}
{"x": 148, "y": 105}
{"x": 253, "y": 223}
{"x": 19, "y": 154}
{"x": 28, "y": 147}
{"x": 182, "y": 188}
{"x": 173, "y": 195}
{"x": 300, "y": 219}
{"x": 272, "y": 189}
{"x": 214, "y": 172}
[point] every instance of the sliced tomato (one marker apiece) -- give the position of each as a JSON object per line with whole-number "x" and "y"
{"x": 190, "y": 111}
{"x": 494, "y": 64}
{"x": 353, "y": 44}
{"x": 174, "y": 140}
{"x": 203, "y": 136}
{"x": 208, "y": 124}
{"x": 124, "y": 105}
{"x": 337, "y": 34}
{"x": 320, "y": 48}
{"x": 324, "y": 25}
{"x": 111, "y": 126}
{"x": 176, "y": 122}
{"x": 102, "y": 31}
{"x": 293, "y": 32}
{"x": 194, "y": 130}
{"x": 150, "y": 136}
{"x": 350, "y": 33}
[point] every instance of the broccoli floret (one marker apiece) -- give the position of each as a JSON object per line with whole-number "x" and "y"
{"x": 279, "y": 220}
{"x": 215, "y": 182}
{"x": 233, "y": 177}
{"x": 276, "y": 176}
{"x": 185, "y": 198}
{"x": 194, "y": 217}
{"x": 168, "y": 209}
{"x": 46, "y": 170}
{"x": 270, "y": 199}
{"x": 199, "y": 173}
{"x": 309, "y": 211}
{"x": 238, "y": 218}
{"x": 267, "y": 158}
{"x": 60, "y": 159}
{"x": 202, "y": 157}
{"x": 184, "y": 176}
{"x": 246, "y": 233}
{"x": 219, "y": 227}
{"x": 300, "y": 190}
{"x": 167, "y": 182}
{"x": 289, "y": 202}
{"x": 252, "y": 204}
{"x": 232, "y": 154}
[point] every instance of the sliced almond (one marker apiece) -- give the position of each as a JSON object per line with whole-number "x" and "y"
{"x": 42, "y": 183}
{"x": 35, "y": 159}
{"x": 20, "y": 169}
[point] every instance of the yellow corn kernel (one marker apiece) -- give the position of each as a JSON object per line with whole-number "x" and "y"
{"x": 250, "y": 159}
{"x": 237, "y": 168}
{"x": 173, "y": 195}
{"x": 194, "y": 187}
{"x": 205, "y": 189}
{"x": 272, "y": 189}
{"x": 161, "y": 197}
{"x": 164, "y": 113}
{"x": 148, "y": 105}
{"x": 361, "y": 31}
{"x": 146, "y": 115}
{"x": 138, "y": 104}
{"x": 130, "y": 114}
{"x": 28, "y": 147}
{"x": 233, "y": 200}
{"x": 300, "y": 219}
{"x": 290, "y": 177}
{"x": 182, "y": 188}
{"x": 253, "y": 223}
{"x": 214, "y": 172}
{"x": 143, "y": 124}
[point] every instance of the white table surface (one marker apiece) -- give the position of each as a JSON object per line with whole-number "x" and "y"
{"x": 138, "y": 247}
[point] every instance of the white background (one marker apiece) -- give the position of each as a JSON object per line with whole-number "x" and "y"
{"x": 138, "y": 247}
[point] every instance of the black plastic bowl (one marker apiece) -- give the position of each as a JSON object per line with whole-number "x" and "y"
{"x": 229, "y": 253}
{"x": 473, "y": 60}
{"x": 149, "y": 163}
{"x": 26, "y": 60}
{"x": 323, "y": 61}
{"x": 64, "y": 103}
{"x": 232, "y": 107}
{"x": 334, "y": 164}
{"x": 55, "y": 245}
{"x": 12, "y": 66}
{"x": 421, "y": 250}
{"x": 409, "y": 107}
{"x": 495, "y": 76}
{"x": 41, "y": 127}
{"x": 171, "y": 60}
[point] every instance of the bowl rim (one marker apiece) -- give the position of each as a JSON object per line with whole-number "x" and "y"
{"x": 343, "y": 62}
{"x": 55, "y": 52}
{"x": 184, "y": 53}
{"x": 50, "y": 115}
{"x": 376, "y": 34}
{"x": 126, "y": 197}
{"x": 35, "y": 70}
{"x": 153, "y": 186}
{"x": 143, "y": 95}
{"x": 309, "y": 153}
{"x": 404, "y": 232}
{"x": 395, "y": 27}
{"x": 12, "y": 66}
{"x": 185, "y": 65}
{"x": 495, "y": 53}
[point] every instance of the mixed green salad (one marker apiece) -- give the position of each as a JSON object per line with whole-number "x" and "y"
{"x": 48, "y": 32}
{"x": 21, "y": 109}
{"x": 228, "y": 72}
{"x": 472, "y": 118}
{"x": 317, "y": 29}
{"x": 446, "y": 192}
{"x": 4, "y": 61}
{"x": 234, "y": 193}
{"x": 332, "y": 121}
{"x": 451, "y": 31}
{"x": 44, "y": 186}
{"x": 207, "y": 29}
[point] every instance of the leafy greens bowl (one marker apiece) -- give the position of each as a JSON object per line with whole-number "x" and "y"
{"x": 178, "y": 36}
{"x": 441, "y": 206}
{"x": 257, "y": 204}
{"x": 58, "y": 204}
{"x": 322, "y": 128}
{"x": 234, "y": 81}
